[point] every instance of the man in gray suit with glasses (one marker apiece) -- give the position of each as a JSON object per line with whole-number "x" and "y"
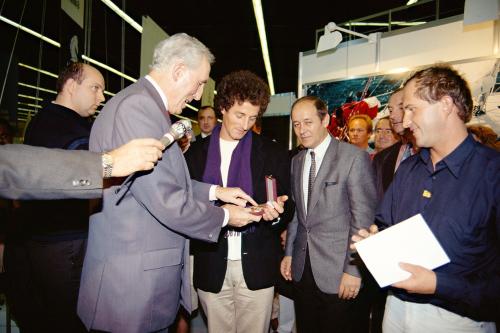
{"x": 333, "y": 188}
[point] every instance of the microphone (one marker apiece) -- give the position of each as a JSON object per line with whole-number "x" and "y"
{"x": 177, "y": 131}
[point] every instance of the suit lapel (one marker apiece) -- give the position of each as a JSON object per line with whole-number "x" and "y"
{"x": 324, "y": 169}
{"x": 299, "y": 169}
{"x": 391, "y": 159}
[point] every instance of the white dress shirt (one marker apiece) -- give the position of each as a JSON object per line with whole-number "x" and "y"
{"x": 319, "y": 152}
{"x": 233, "y": 238}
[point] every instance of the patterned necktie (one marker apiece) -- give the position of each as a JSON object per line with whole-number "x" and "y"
{"x": 312, "y": 175}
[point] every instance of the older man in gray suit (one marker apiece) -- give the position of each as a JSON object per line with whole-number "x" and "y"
{"x": 136, "y": 268}
{"x": 334, "y": 191}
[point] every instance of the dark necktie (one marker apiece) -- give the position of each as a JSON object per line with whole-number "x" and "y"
{"x": 312, "y": 175}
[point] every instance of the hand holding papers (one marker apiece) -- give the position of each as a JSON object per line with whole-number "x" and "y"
{"x": 410, "y": 241}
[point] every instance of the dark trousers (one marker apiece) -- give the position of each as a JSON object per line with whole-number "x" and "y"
{"x": 43, "y": 283}
{"x": 373, "y": 302}
{"x": 317, "y": 311}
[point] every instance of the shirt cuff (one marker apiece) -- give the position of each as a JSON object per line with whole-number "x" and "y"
{"x": 226, "y": 217}
{"x": 211, "y": 193}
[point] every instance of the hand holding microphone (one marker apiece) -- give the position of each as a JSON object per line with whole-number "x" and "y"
{"x": 176, "y": 132}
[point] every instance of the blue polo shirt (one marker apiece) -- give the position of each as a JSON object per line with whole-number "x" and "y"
{"x": 460, "y": 201}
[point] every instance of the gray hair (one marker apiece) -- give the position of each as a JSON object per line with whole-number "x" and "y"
{"x": 180, "y": 46}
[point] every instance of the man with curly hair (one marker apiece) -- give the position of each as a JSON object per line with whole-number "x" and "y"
{"x": 236, "y": 276}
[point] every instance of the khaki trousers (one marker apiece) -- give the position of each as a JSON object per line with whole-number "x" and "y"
{"x": 237, "y": 309}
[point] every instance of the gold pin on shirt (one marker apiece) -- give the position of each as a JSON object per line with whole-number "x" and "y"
{"x": 426, "y": 194}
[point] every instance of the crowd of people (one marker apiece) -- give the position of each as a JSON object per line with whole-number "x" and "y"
{"x": 198, "y": 220}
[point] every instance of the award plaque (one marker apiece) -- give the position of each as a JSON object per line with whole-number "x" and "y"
{"x": 271, "y": 189}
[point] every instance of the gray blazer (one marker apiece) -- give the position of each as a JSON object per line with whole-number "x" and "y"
{"x": 136, "y": 269}
{"x": 28, "y": 172}
{"x": 343, "y": 200}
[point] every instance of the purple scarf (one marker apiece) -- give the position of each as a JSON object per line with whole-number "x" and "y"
{"x": 240, "y": 173}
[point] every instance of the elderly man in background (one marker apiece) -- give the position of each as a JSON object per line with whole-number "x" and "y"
{"x": 388, "y": 160}
{"x": 384, "y": 134}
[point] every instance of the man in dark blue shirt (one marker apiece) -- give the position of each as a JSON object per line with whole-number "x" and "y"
{"x": 454, "y": 183}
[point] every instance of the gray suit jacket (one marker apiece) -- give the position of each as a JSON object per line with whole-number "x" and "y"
{"x": 343, "y": 200}
{"x": 28, "y": 172}
{"x": 136, "y": 268}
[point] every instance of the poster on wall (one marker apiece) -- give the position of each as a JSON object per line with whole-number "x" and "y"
{"x": 369, "y": 94}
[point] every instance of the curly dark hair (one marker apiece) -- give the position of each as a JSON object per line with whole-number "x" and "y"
{"x": 241, "y": 86}
{"x": 440, "y": 80}
{"x": 74, "y": 71}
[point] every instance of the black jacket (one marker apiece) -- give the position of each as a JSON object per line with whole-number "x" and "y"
{"x": 384, "y": 163}
{"x": 260, "y": 245}
{"x": 56, "y": 126}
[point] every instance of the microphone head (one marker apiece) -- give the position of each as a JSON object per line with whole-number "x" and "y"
{"x": 180, "y": 128}
{"x": 186, "y": 124}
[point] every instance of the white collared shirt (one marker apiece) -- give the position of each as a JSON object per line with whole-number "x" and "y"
{"x": 319, "y": 152}
{"x": 158, "y": 89}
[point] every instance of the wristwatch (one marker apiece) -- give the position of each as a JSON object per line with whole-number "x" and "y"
{"x": 107, "y": 165}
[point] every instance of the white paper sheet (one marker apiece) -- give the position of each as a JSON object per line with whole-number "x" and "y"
{"x": 410, "y": 241}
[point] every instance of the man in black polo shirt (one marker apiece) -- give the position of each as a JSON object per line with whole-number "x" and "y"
{"x": 46, "y": 256}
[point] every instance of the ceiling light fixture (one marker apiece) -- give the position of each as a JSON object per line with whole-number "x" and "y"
{"x": 259, "y": 17}
{"x": 332, "y": 38}
{"x": 38, "y": 70}
{"x": 30, "y": 104}
{"x": 27, "y": 110}
{"x": 36, "y": 88}
{"x": 123, "y": 15}
{"x": 109, "y": 68}
{"x": 31, "y": 32}
{"x": 30, "y": 97}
